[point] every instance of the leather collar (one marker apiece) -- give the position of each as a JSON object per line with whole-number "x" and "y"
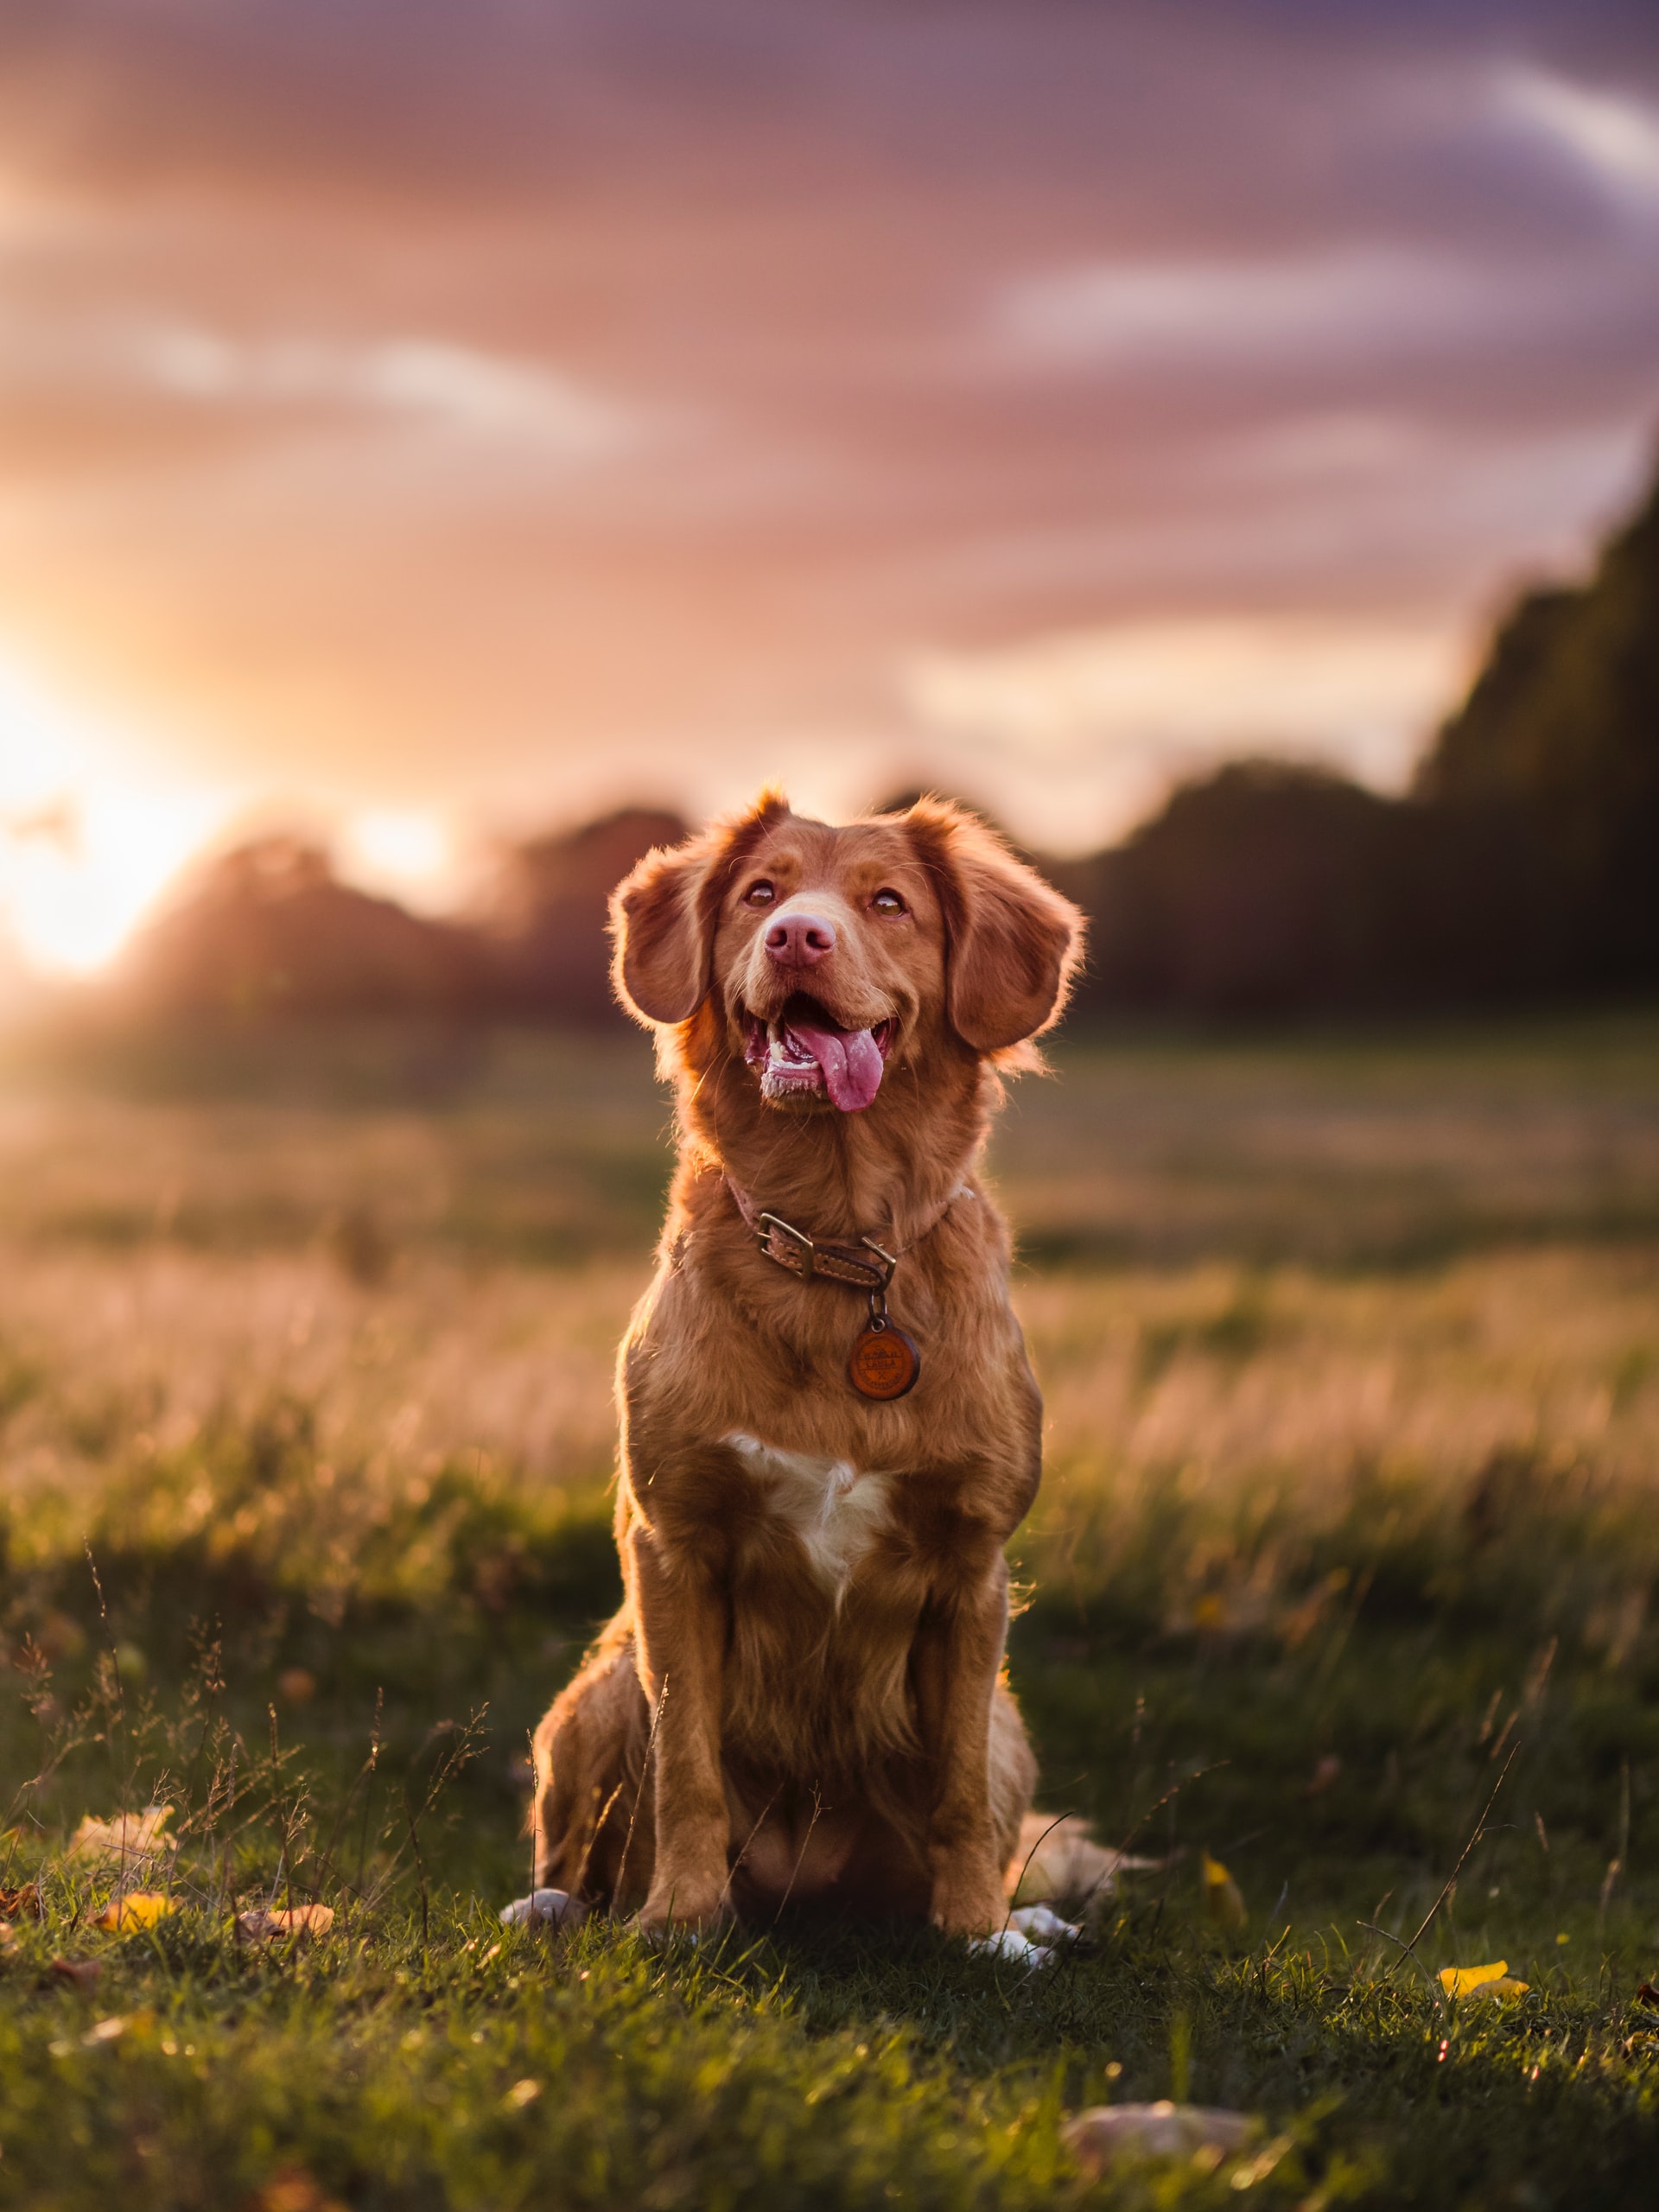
{"x": 866, "y": 1265}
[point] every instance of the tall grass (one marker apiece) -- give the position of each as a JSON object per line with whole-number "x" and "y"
{"x": 1352, "y": 1365}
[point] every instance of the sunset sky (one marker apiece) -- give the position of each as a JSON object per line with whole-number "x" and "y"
{"x": 433, "y": 421}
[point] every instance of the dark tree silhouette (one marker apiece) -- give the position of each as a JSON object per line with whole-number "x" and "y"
{"x": 269, "y": 930}
{"x": 1562, "y": 725}
{"x": 543, "y": 926}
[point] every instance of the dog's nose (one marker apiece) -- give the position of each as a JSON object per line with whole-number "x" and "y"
{"x": 800, "y": 940}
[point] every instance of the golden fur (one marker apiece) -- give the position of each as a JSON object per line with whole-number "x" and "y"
{"x": 800, "y": 1697}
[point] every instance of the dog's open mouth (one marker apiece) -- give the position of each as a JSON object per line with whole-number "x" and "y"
{"x": 803, "y": 1054}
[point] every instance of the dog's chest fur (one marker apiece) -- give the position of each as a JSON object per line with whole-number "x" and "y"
{"x": 834, "y": 1511}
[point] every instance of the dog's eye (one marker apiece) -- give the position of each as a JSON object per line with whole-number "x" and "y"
{"x": 887, "y": 901}
{"x": 759, "y": 894}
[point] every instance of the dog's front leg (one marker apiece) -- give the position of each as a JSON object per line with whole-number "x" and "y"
{"x": 958, "y": 1655}
{"x": 681, "y": 1631}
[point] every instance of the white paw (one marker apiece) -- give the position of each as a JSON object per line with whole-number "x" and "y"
{"x": 1042, "y": 1926}
{"x": 1008, "y": 1943}
{"x": 545, "y": 1909}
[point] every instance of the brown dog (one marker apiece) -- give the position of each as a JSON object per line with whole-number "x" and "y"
{"x": 800, "y": 1697}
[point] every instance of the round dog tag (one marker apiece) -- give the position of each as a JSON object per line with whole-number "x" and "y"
{"x": 885, "y": 1362}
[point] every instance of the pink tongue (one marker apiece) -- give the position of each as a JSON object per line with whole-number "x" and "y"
{"x": 850, "y": 1060}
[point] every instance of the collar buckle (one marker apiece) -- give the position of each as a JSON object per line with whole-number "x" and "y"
{"x": 865, "y": 1267}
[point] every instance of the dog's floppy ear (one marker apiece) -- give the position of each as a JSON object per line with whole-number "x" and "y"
{"x": 662, "y": 915}
{"x": 1013, "y": 942}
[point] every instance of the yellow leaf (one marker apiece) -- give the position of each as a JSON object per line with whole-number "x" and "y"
{"x": 1224, "y": 1903}
{"x": 1494, "y": 1981}
{"x": 141, "y": 1910}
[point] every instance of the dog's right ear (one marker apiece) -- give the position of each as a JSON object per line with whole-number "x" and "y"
{"x": 663, "y": 914}
{"x": 661, "y": 964}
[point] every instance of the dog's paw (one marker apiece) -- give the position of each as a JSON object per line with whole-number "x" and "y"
{"x": 1042, "y": 1926}
{"x": 669, "y": 1921}
{"x": 658, "y": 1934}
{"x": 1011, "y": 1947}
{"x": 545, "y": 1909}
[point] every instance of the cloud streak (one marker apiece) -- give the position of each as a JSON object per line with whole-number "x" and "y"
{"x": 1615, "y": 138}
{"x": 406, "y": 377}
{"x": 1337, "y": 307}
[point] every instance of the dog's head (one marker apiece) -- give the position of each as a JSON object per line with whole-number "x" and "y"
{"x": 819, "y": 956}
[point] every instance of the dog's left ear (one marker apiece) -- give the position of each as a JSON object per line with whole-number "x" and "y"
{"x": 663, "y": 916}
{"x": 1014, "y": 941}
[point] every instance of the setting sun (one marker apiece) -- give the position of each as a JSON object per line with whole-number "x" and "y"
{"x": 86, "y": 845}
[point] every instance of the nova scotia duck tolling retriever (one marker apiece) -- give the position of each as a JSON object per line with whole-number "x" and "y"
{"x": 829, "y": 1428}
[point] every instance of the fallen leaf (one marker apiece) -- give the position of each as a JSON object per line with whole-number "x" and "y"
{"x": 522, "y": 2094}
{"x": 129, "y": 1836}
{"x": 141, "y": 1908}
{"x": 292, "y": 2189}
{"x": 1224, "y": 1903}
{"x": 290, "y": 1920}
{"x": 83, "y": 1973}
{"x": 1106, "y": 2133}
{"x": 104, "y": 2030}
{"x": 1494, "y": 1981}
{"x": 1646, "y": 1994}
{"x": 23, "y": 1904}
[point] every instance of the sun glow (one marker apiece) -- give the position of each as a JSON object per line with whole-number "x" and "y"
{"x": 86, "y": 844}
{"x": 409, "y": 854}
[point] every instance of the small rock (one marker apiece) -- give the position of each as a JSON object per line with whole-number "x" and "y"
{"x": 1106, "y": 2133}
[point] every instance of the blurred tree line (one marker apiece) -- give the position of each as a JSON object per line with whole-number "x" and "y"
{"x": 1522, "y": 867}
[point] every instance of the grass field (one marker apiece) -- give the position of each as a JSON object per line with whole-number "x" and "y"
{"x": 1352, "y": 1355}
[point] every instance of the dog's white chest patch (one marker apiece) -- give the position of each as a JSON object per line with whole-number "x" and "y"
{"x": 834, "y": 1510}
